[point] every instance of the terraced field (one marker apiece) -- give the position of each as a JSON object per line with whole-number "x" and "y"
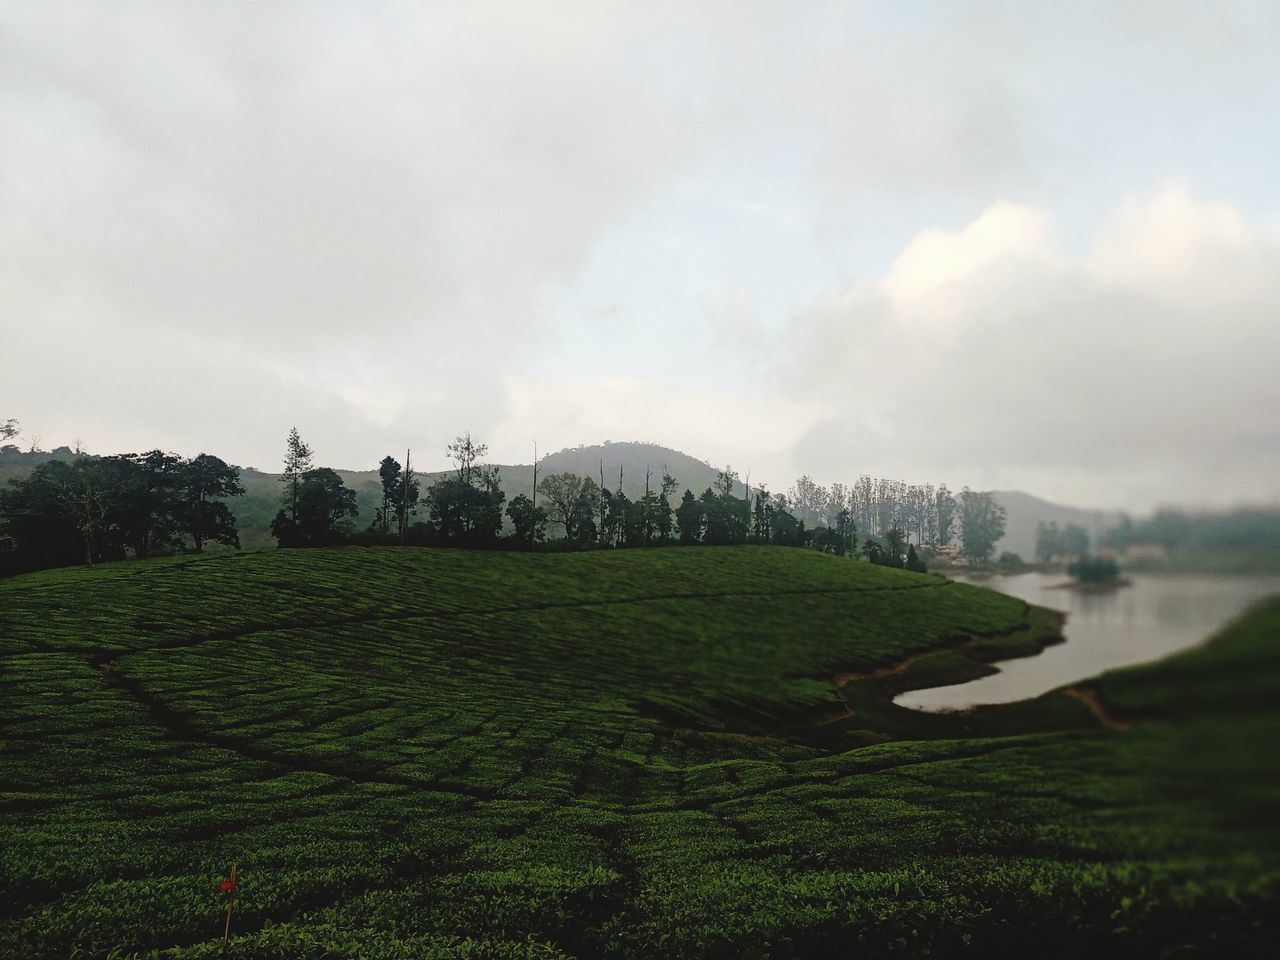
{"x": 418, "y": 753}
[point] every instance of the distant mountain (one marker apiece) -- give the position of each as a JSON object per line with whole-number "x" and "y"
{"x": 1024, "y": 512}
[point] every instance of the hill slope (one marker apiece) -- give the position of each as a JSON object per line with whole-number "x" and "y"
{"x": 428, "y": 753}
{"x": 1025, "y": 512}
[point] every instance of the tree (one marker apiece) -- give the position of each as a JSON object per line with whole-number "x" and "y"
{"x": 809, "y": 500}
{"x": 715, "y": 524}
{"x": 615, "y": 508}
{"x": 1090, "y": 569}
{"x": 9, "y": 429}
{"x": 981, "y": 524}
{"x": 297, "y": 461}
{"x": 148, "y": 506}
{"x": 467, "y": 507}
{"x": 689, "y": 518}
{"x": 562, "y": 491}
{"x": 662, "y": 510}
{"x": 914, "y": 563}
{"x": 87, "y": 490}
{"x": 762, "y": 518}
{"x": 946, "y": 510}
{"x": 726, "y": 480}
{"x": 894, "y": 540}
{"x": 399, "y": 495}
{"x": 60, "y": 515}
{"x": 847, "y": 532}
{"x": 828, "y": 540}
{"x": 1010, "y": 562}
{"x": 585, "y": 510}
{"x": 466, "y": 455}
{"x": 206, "y": 482}
{"x": 788, "y": 530}
{"x": 1071, "y": 540}
{"x": 874, "y": 552}
{"x": 530, "y": 521}
{"x": 324, "y": 504}
{"x": 389, "y": 474}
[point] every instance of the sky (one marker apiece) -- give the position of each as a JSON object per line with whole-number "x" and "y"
{"x": 1003, "y": 245}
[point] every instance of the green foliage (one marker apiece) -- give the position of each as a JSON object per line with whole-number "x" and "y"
{"x": 399, "y": 496}
{"x": 1094, "y": 569}
{"x": 467, "y": 507}
{"x": 913, "y": 561}
{"x": 452, "y": 753}
{"x": 690, "y": 518}
{"x": 1071, "y": 540}
{"x": 90, "y": 509}
{"x": 322, "y": 508}
{"x": 981, "y": 524}
{"x": 202, "y": 511}
{"x": 1010, "y": 562}
{"x": 297, "y": 461}
{"x": 530, "y": 521}
{"x": 945, "y": 505}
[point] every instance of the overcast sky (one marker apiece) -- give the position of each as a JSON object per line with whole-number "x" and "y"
{"x": 1005, "y": 245}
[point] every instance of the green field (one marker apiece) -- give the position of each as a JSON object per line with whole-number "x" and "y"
{"x": 425, "y": 753}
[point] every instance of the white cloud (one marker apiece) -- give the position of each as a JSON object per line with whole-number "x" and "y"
{"x": 929, "y": 279}
{"x": 1141, "y": 373}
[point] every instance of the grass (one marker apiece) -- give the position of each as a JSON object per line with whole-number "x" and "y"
{"x": 419, "y": 753}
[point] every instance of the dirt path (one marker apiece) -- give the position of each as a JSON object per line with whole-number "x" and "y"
{"x": 1090, "y": 699}
{"x": 879, "y": 673}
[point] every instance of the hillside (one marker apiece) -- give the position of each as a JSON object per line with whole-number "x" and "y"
{"x": 1025, "y": 511}
{"x": 414, "y": 752}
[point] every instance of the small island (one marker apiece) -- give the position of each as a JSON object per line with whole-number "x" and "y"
{"x": 1092, "y": 572}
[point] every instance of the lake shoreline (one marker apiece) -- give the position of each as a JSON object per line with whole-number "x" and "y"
{"x": 1107, "y": 628}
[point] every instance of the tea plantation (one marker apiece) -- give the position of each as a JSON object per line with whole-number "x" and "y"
{"x": 415, "y": 753}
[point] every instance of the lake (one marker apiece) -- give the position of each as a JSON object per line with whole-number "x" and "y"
{"x": 1154, "y": 617}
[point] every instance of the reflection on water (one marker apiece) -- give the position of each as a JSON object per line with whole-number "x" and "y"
{"x": 1153, "y": 617}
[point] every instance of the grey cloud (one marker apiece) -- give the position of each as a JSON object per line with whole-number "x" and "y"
{"x": 351, "y": 215}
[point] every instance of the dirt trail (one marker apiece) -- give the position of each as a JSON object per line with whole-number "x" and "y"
{"x": 1090, "y": 699}
{"x": 879, "y": 673}
{"x": 841, "y": 679}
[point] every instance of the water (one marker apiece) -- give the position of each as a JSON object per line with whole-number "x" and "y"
{"x": 1152, "y": 618}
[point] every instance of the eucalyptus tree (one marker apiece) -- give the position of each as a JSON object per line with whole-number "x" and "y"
{"x": 297, "y": 461}
{"x": 982, "y": 521}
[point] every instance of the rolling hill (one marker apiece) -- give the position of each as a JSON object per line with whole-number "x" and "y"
{"x": 426, "y": 753}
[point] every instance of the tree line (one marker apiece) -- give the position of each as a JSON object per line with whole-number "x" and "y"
{"x": 466, "y": 508}
{"x": 107, "y": 508}
{"x": 92, "y": 509}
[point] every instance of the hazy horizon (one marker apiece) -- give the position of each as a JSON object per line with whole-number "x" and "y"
{"x": 999, "y": 246}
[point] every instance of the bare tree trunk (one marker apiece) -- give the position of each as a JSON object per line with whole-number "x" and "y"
{"x": 404, "y": 504}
